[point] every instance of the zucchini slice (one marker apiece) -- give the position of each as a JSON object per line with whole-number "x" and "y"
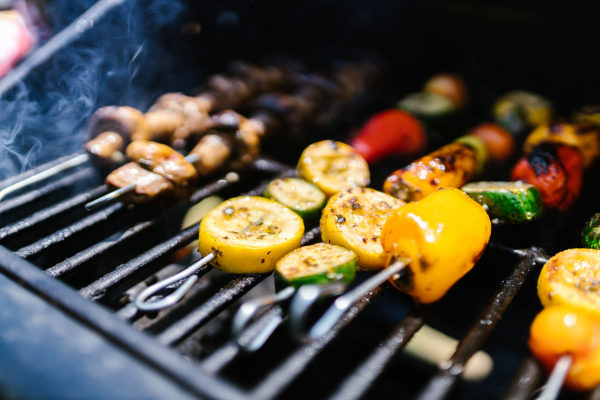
{"x": 304, "y": 198}
{"x": 354, "y": 218}
{"x": 333, "y": 166}
{"x": 591, "y": 233}
{"x": 572, "y": 277}
{"x": 317, "y": 264}
{"x": 507, "y": 202}
{"x": 249, "y": 234}
{"x": 431, "y": 108}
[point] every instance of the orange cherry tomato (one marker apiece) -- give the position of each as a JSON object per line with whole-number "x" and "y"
{"x": 448, "y": 85}
{"x": 500, "y": 143}
{"x": 564, "y": 329}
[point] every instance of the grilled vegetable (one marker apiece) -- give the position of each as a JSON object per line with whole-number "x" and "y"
{"x": 333, "y": 166}
{"x": 572, "y": 277}
{"x": 451, "y": 166}
{"x": 443, "y": 235}
{"x": 431, "y": 108}
{"x": 507, "y": 202}
{"x": 148, "y": 185}
{"x": 390, "y": 132}
{"x": 519, "y": 110}
{"x": 556, "y": 171}
{"x": 500, "y": 143}
{"x": 583, "y": 137}
{"x": 353, "y": 218}
{"x": 588, "y": 115}
{"x": 566, "y": 330}
{"x": 304, "y": 198}
{"x": 249, "y": 234}
{"x": 448, "y": 85}
{"x": 316, "y": 264}
{"x": 591, "y": 233}
{"x": 480, "y": 148}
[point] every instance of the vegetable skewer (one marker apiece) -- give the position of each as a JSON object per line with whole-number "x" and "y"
{"x": 432, "y": 244}
{"x": 565, "y": 336}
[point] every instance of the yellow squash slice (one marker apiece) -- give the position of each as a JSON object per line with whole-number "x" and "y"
{"x": 353, "y": 218}
{"x": 333, "y": 166}
{"x": 249, "y": 234}
{"x": 572, "y": 277}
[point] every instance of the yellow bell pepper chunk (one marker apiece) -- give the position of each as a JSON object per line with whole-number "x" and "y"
{"x": 443, "y": 235}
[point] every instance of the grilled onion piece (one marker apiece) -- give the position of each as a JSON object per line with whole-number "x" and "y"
{"x": 353, "y": 218}
{"x": 333, "y": 166}
{"x": 249, "y": 234}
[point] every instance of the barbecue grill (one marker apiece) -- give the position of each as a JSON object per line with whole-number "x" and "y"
{"x": 68, "y": 276}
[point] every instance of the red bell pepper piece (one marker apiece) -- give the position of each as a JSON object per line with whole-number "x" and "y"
{"x": 390, "y": 132}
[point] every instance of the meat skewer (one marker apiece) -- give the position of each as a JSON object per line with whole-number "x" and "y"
{"x": 234, "y": 141}
{"x": 172, "y": 118}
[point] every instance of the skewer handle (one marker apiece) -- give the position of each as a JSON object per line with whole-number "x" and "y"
{"x": 556, "y": 379}
{"x": 173, "y": 298}
{"x": 308, "y": 295}
{"x": 73, "y": 162}
{"x": 250, "y": 309}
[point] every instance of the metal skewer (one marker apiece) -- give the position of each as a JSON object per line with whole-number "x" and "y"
{"x": 73, "y": 162}
{"x": 556, "y": 379}
{"x": 173, "y": 298}
{"x": 254, "y": 308}
{"x": 307, "y": 296}
{"x": 192, "y": 158}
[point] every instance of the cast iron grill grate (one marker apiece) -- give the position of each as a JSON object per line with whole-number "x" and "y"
{"x": 178, "y": 323}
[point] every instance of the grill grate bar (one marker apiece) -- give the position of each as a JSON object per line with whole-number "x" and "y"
{"x": 526, "y": 381}
{"x": 44, "y": 244}
{"x": 278, "y": 380}
{"x": 72, "y": 264}
{"x": 447, "y": 376}
{"x": 99, "y": 289}
{"x": 363, "y": 377}
{"x": 209, "y": 309}
{"x": 51, "y": 212}
{"x": 12, "y": 204}
{"x": 220, "y": 358}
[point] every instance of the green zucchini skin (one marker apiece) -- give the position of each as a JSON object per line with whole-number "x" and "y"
{"x": 507, "y": 202}
{"x": 433, "y": 109}
{"x": 305, "y": 212}
{"x": 345, "y": 272}
{"x": 591, "y": 233}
